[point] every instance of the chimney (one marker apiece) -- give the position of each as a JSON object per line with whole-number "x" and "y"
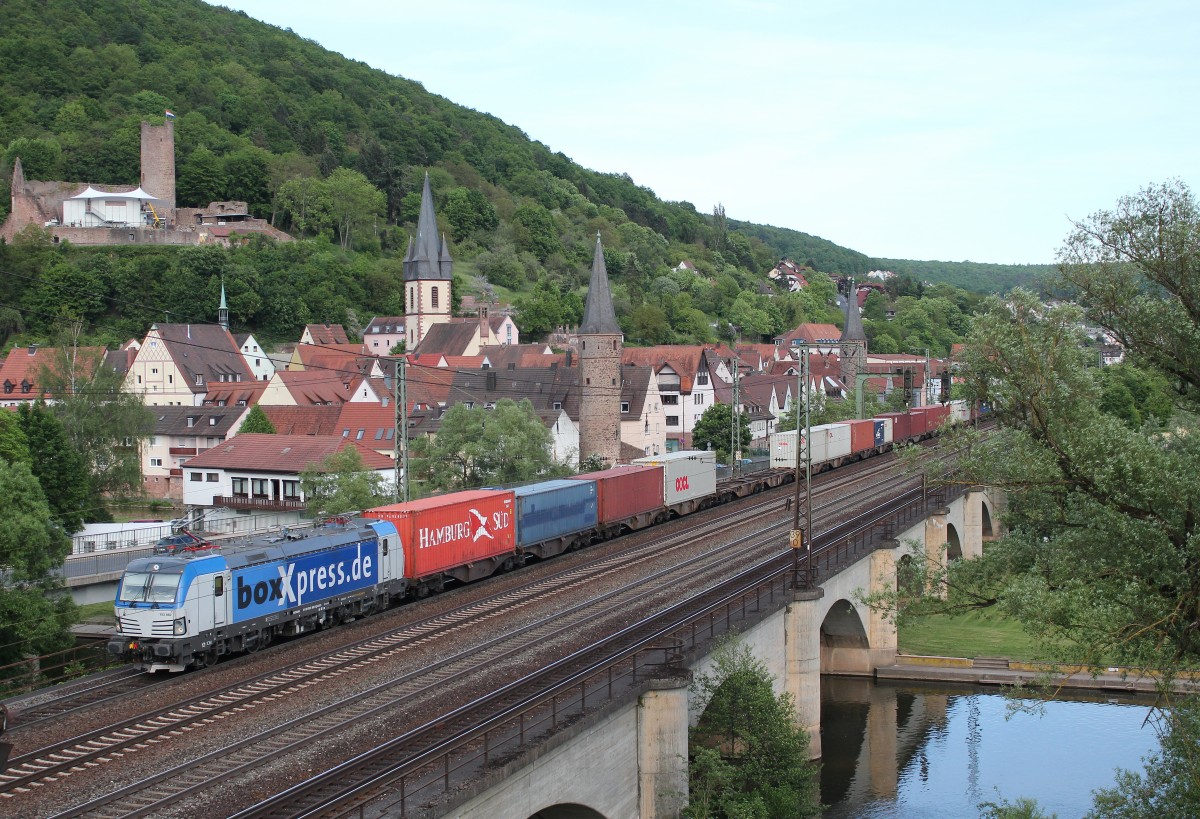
{"x": 483, "y": 326}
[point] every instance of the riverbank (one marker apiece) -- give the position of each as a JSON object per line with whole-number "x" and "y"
{"x": 1002, "y": 672}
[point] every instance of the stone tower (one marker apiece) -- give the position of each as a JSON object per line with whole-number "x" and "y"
{"x": 600, "y": 341}
{"x": 158, "y": 166}
{"x": 853, "y": 343}
{"x": 427, "y": 269}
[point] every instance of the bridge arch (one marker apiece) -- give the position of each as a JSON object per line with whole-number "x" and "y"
{"x": 569, "y": 811}
{"x": 954, "y": 544}
{"x": 988, "y": 530}
{"x": 844, "y": 642}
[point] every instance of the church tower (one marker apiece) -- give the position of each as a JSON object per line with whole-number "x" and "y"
{"x": 853, "y": 344}
{"x": 427, "y": 268}
{"x": 600, "y": 341}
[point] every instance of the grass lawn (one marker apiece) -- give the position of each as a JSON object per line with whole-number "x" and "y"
{"x": 981, "y": 633}
{"x": 95, "y": 612}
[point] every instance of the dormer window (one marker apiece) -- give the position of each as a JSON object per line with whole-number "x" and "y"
{"x": 191, "y": 421}
{"x": 199, "y": 380}
{"x": 26, "y": 385}
{"x": 9, "y": 386}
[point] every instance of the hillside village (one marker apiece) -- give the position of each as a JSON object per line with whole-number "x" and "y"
{"x": 325, "y": 392}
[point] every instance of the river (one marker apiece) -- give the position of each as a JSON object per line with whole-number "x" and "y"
{"x": 894, "y": 751}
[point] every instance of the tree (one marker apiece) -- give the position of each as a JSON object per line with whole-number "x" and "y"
{"x": 354, "y": 203}
{"x": 14, "y": 448}
{"x": 58, "y": 466}
{"x": 35, "y": 613}
{"x": 477, "y": 446}
{"x": 257, "y": 421}
{"x": 748, "y": 757}
{"x": 342, "y": 483}
{"x": 105, "y": 424}
{"x": 306, "y": 201}
{"x": 201, "y": 178}
{"x": 714, "y": 431}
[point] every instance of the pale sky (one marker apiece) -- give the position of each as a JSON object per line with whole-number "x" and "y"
{"x": 917, "y": 130}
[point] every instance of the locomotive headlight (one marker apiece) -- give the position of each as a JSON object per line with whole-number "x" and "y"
{"x": 181, "y": 626}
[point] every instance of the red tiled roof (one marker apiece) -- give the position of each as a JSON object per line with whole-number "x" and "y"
{"x": 291, "y": 454}
{"x": 376, "y": 422}
{"x": 309, "y": 387}
{"x": 327, "y": 333}
{"x": 303, "y": 420}
{"x": 684, "y": 359}
{"x": 812, "y": 332}
{"x": 25, "y": 364}
{"x": 234, "y": 392}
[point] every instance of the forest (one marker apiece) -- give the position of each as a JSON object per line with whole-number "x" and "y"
{"x": 335, "y": 152}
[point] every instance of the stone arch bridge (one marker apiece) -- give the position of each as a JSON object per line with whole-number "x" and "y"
{"x": 631, "y": 761}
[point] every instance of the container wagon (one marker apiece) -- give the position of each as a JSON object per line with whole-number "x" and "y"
{"x": 462, "y": 535}
{"x": 628, "y": 498}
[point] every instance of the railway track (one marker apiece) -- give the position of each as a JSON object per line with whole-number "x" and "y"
{"x": 55, "y": 763}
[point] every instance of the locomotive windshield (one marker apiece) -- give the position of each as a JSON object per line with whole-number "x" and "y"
{"x": 148, "y": 587}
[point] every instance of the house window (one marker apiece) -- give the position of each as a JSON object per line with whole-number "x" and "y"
{"x": 154, "y": 370}
{"x": 346, "y": 433}
{"x": 153, "y": 440}
{"x": 156, "y": 462}
{"x": 698, "y": 398}
{"x": 10, "y": 386}
{"x": 433, "y": 298}
{"x": 195, "y": 477}
{"x": 701, "y": 378}
{"x": 238, "y": 487}
{"x": 210, "y": 477}
{"x": 672, "y": 420}
{"x": 360, "y": 434}
{"x": 258, "y": 487}
{"x": 624, "y": 406}
{"x": 26, "y": 386}
{"x": 670, "y": 400}
{"x": 557, "y": 405}
{"x": 199, "y": 380}
{"x": 191, "y": 421}
{"x": 170, "y": 378}
{"x": 291, "y": 490}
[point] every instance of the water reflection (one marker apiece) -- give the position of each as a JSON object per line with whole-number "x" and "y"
{"x": 916, "y": 750}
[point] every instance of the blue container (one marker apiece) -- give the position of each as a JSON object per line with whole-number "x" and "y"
{"x": 880, "y": 433}
{"x": 552, "y": 509}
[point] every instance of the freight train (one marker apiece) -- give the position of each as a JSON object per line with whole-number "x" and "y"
{"x": 187, "y": 610}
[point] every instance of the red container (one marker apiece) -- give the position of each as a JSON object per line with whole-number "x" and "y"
{"x": 452, "y": 530}
{"x": 901, "y": 427}
{"x": 626, "y": 491}
{"x": 862, "y": 435}
{"x": 918, "y": 422}
{"x": 937, "y": 415}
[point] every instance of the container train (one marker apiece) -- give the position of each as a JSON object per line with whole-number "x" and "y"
{"x": 187, "y": 610}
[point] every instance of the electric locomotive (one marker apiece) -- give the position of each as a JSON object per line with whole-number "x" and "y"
{"x": 176, "y": 611}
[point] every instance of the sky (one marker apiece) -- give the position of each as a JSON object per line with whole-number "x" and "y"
{"x": 920, "y": 130}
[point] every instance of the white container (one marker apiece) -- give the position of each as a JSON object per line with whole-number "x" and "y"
{"x": 687, "y": 475}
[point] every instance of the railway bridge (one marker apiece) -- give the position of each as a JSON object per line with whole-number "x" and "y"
{"x": 628, "y": 756}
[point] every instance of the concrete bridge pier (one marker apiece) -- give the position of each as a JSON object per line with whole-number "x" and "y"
{"x": 802, "y": 677}
{"x": 662, "y": 741}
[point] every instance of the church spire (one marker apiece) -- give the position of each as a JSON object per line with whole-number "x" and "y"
{"x": 854, "y": 326}
{"x": 223, "y": 310}
{"x": 598, "y": 314}
{"x": 427, "y": 259}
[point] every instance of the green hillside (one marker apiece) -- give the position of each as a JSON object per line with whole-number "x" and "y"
{"x": 334, "y": 152}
